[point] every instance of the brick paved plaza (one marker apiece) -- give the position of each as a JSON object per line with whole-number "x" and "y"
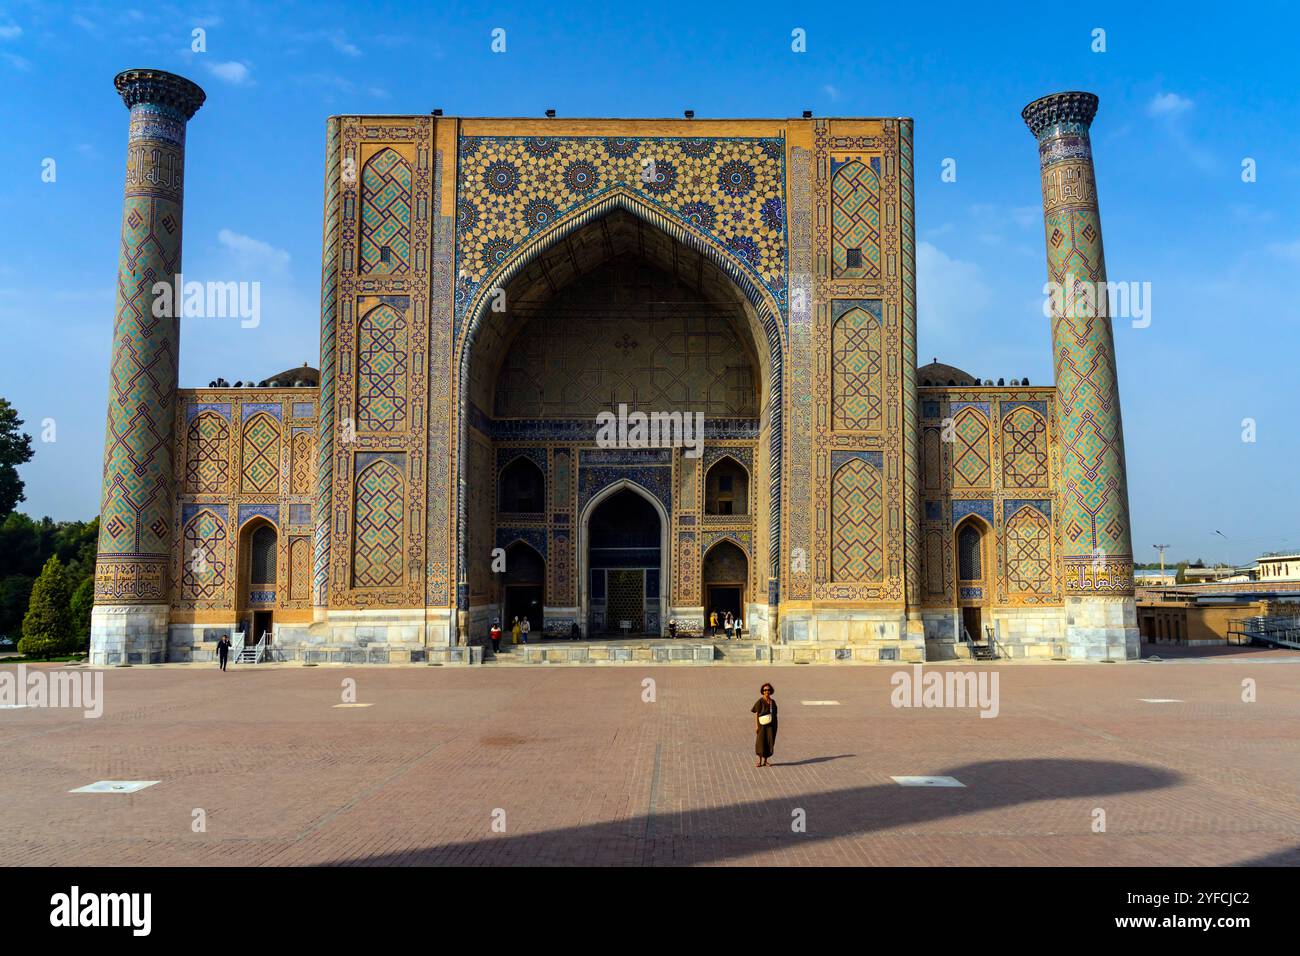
{"x": 586, "y": 772}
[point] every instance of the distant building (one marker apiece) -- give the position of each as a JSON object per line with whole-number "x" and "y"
{"x": 1154, "y": 579}
{"x": 1278, "y": 567}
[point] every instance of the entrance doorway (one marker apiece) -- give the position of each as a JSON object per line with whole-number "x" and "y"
{"x": 624, "y": 554}
{"x": 971, "y": 620}
{"x": 261, "y": 625}
{"x": 725, "y": 572}
{"x": 524, "y": 588}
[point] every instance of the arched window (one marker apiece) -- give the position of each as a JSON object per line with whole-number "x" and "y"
{"x": 726, "y": 488}
{"x": 522, "y": 488}
{"x": 262, "y": 556}
{"x": 970, "y": 556}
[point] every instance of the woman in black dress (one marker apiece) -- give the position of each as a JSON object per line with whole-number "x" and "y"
{"x": 764, "y": 711}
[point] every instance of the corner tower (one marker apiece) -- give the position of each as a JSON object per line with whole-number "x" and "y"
{"x": 129, "y": 622}
{"x": 1096, "y": 550}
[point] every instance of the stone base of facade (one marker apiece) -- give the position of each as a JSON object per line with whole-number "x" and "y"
{"x": 129, "y": 633}
{"x": 1088, "y": 629}
{"x": 829, "y": 635}
{"x": 1102, "y": 628}
{"x": 343, "y": 637}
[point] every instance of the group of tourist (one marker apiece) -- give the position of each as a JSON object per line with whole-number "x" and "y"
{"x": 729, "y": 624}
{"x": 519, "y": 630}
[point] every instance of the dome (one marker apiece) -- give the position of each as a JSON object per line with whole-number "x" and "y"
{"x": 937, "y": 373}
{"x": 302, "y": 377}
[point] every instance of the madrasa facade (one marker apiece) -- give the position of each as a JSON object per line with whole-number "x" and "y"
{"x": 490, "y": 287}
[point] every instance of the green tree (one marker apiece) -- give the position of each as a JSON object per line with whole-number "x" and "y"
{"x": 15, "y": 593}
{"x": 47, "y": 628}
{"x": 83, "y": 600}
{"x": 20, "y": 546}
{"x": 15, "y": 450}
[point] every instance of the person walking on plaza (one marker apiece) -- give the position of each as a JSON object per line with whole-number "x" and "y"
{"x": 524, "y": 628}
{"x": 514, "y": 631}
{"x": 223, "y": 649}
{"x": 496, "y": 637}
{"x": 764, "y": 711}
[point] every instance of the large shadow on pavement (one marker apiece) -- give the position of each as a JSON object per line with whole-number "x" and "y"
{"x": 717, "y": 834}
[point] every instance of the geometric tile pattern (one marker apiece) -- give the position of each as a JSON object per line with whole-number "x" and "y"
{"x": 856, "y": 371}
{"x": 386, "y": 214}
{"x": 136, "y": 533}
{"x": 203, "y": 568}
{"x": 1028, "y": 537}
{"x": 207, "y": 462}
{"x": 302, "y": 472}
{"x": 261, "y": 455}
{"x": 329, "y": 304}
{"x": 1094, "y": 487}
{"x": 730, "y": 190}
{"x": 1024, "y": 449}
{"x": 299, "y": 569}
{"x": 381, "y": 370}
{"x": 856, "y": 217}
{"x": 378, "y": 556}
{"x": 857, "y": 512}
{"x": 971, "y": 458}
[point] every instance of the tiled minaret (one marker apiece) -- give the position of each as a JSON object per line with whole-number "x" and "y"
{"x": 1096, "y": 553}
{"x": 129, "y": 623}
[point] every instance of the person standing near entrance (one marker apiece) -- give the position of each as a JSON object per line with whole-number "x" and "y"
{"x": 764, "y": 711}
{"x": 524, "y": 628}
{"x": 735, "y": 626}
{"x": 514, "y": 631}
{"x": 496, "y": 637}
{"x": 713, "y": 623}
{"x": 223, "y": 649}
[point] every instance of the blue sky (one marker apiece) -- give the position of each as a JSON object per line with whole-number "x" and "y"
{"x": 1185, "y": 96}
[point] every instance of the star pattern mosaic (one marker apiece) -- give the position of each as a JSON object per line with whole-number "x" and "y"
{"x": 510, "y": 188}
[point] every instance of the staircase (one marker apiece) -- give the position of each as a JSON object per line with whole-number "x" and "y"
{"x": 242, "y": 653}
{"x": 988, "y": 651}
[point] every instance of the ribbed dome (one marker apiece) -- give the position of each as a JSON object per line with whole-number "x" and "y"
{"x": 290, "y": 377}
{"x": 936, "y": 373}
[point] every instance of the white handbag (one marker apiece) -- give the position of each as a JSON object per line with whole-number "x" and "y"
{"x": 765, "y": 719}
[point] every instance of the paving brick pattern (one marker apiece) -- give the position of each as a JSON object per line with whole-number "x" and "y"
{"x": 586, "y": 772}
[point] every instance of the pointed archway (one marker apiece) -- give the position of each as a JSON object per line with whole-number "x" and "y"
{"x": 622, "y": 559}
{"x": 484, "y": 337}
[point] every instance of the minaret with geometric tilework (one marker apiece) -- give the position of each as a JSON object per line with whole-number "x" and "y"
{"x": 1096, "y": 562}
{"x": 129, "y": 623}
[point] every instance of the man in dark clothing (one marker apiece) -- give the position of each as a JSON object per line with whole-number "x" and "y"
{"x": 574, "y": 633}
{"x": 223, "y": 649}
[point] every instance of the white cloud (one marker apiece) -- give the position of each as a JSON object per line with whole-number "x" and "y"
{"x": 232, "y": 72}
{"x": 1286, "y": 250}
{"x": 17, "y": 62}
{"x": 10, "y": 32}
{"x": 832, "y": 91}
{"x": 343, "y": 45}
{"x": 950, "y": 293}
{"x": 1168, "y": 104}
{"x": 253, "y": 251}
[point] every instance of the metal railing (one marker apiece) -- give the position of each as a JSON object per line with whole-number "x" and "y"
{"x": 999, "y": 649}
{"x": 1278, "y": 631}
{"x": 236, "y": 648}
